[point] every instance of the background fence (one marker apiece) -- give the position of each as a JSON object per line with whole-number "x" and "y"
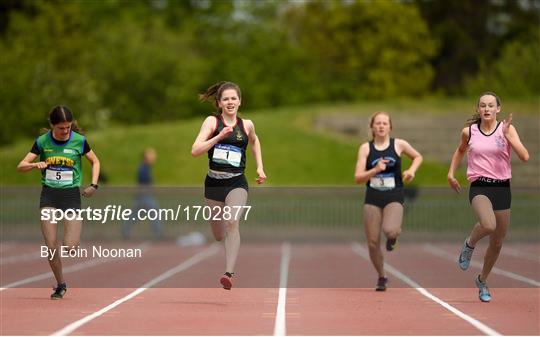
{"x": 307, "y": 213}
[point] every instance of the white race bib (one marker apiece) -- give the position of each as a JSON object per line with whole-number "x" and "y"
{"x": 382, "y": 182}
{"x": 227, "y": 154}
{"x": 63, "y": 177}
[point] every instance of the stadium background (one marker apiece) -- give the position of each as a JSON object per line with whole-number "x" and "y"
{"x": 312, "y": 73}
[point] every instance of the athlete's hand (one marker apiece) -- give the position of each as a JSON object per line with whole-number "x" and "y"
{"x": 408, "y": 176}
{"x": 381, "y": 165}
{"x": 261, "y": 176}
{"x": 40, "y": 165}
{"x": 454, "y": 183}
{"x": 225, "y": 132}
{"x": 506, "y": 125}
{"x": 89, "y": 191}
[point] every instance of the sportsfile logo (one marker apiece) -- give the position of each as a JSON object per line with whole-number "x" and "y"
{"x": 120, "y": 213}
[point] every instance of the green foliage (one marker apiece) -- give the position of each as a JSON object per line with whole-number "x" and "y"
{"x": 365, "y": 49}
{"x": 515, "y": 74}
{"x": 131, "y": 62}
{"x": 127, "y": 67}
{"x": 471, "y": 32}
{"x": 136, "y": 62}
{"x": 43, "y": 64}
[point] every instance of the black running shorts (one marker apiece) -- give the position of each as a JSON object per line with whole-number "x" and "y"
{"x": 60, "y": 198}
{"x": 218, "y": 189}
{"x": 382, "y": 198}
{"x": 497, "y": 191}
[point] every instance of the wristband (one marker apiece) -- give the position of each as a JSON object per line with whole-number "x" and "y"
{"x": 94, "y": 186}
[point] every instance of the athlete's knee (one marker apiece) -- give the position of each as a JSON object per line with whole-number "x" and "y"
{"x": 373, "y": 244}
{"x": 51, "y": 245}
{"x": 70, "y": 247}
{"x": 218, "y": 235}
{"x": 392, "y": 233}
{"x": 488, "y": 226}
{"x": 231, "y": 226}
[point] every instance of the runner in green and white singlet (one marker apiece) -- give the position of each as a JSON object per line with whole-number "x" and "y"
{"x": 60, "y": 151}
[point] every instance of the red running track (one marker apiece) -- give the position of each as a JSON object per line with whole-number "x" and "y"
{"x": 329, "y": 291}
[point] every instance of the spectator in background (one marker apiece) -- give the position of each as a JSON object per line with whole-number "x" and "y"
{"x": 145, "y": 198}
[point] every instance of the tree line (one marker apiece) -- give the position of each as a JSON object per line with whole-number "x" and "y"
{"x": 127, "y": 62}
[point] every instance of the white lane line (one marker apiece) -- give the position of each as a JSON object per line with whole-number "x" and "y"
{"x": 209, "y": 251}
{"x": 450, "y": 257}
{"x": 67, "y": 270}
{"x": 280, "y": 323}
{"x": 521, "y": 255}
{"x": 358, "y": 249}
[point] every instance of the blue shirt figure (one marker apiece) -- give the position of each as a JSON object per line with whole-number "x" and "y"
{"x": 145, "y": 198}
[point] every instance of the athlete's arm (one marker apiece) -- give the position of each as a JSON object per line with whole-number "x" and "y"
{"x": 456, "y": 159}
{"x": 256, "y": 149}
{"x": 411, "y": 152}
{"x": 203, "y": 142}
{"x": 512, "y": 136}
{"x": 27, "y": 163}
{"x": 361, "y": 175}
{"x": 94, "y": 161}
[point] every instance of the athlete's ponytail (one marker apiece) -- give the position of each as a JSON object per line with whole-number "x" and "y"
{"x": 214, "y": 92}
{"x": 475, "y": 118}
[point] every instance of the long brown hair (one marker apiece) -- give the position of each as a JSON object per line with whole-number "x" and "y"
{"x": 475, "y": 118}
{"x": 214, "y": 92}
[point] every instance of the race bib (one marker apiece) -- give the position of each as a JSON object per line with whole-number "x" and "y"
{"x": 60, "y": 177}
{"x": 227, "y": 154}
{"x": 383, "y": 182}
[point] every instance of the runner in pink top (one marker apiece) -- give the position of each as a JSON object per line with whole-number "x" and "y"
{"x": 488, "y": 155}
{"x": 487, "y": 142}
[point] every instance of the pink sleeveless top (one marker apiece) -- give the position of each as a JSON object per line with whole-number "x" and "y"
{"x": 488, "y": 155}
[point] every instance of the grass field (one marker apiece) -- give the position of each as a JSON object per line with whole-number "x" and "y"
{"x": 294, "y": 152}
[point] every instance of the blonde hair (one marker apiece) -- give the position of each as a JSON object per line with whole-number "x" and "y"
{"x": 372, "y": 120}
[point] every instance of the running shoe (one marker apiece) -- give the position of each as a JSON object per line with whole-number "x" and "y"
{"x": 465, "y": 256}
{"x": 483, "y": 291}
{"x": 391, "y": 244}
{"x": 226, "y": 281}
{"x": 381, "y": 284}
{"x": 59, "y": 291}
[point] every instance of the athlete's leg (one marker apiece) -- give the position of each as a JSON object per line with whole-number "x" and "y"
{"x": 49, "y": 231}
{"x": 495, "y": 242}
{"x": 151, "y": 203}
{"x": 238, "y": 198}
{"x": 372, "y": 227}
{"x": 392, "y": 220}
{"x": 218, "y": 226}
{"x": 127, "y": 225}
{"x": 485, "y": 216}
{"x": 72, "y": 234}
